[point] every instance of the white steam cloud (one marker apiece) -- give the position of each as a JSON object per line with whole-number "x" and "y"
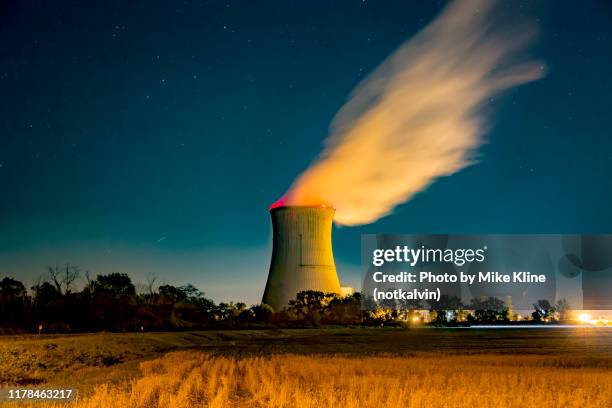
{"x": 419, "y": 116}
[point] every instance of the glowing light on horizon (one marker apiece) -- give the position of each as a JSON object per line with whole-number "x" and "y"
{"x": 587, "y": 318}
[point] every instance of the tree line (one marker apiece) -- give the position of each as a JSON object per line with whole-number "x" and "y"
{"x": 112, "y": 302}
{"x": 451, "y": 311}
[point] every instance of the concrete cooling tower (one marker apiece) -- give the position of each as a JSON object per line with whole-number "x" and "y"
{"x": 302, "y": 257}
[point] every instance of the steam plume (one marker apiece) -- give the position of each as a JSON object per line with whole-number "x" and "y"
{"x": 417, "y": 117}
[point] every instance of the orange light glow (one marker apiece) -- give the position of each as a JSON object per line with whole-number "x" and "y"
{"x": 282, "y": 202}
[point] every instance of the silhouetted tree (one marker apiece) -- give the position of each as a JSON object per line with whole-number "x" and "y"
{"x": 310, "y": 305}
{"x": 489, "y": 310}
{"x": 543, "y": 310}
{"x": 114, "y": 284}
{"x": 544, "y": 304}
{"x": 345, "y": 310}
{"x": 262, "y": 312}
{"x": 14, "y": 301}
{"x": 446, "y": 308}
{"x": 64, "y": 277}
{"x": 112, "y": 301}
{"x": 46, "y": 301}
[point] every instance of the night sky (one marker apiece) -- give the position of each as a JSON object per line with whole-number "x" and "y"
{"x": 150, "y": 137}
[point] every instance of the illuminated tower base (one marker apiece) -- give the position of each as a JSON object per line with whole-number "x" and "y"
{"x": 302, "y": 257}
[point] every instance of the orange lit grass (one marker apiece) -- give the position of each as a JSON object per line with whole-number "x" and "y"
{"x": 192, "y": 379}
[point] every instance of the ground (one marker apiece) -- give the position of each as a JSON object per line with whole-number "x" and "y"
{"x": 320, "y": 367}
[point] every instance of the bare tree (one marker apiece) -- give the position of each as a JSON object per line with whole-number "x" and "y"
{"x": 141, "y": 288}
{"x": 151, "y": 286}
{"x": 54, "y": 274}
{"x": 87, "y": 278}
{"x": 71, "y": 274}
{"x": 63, "y": 278}
{"x": 90, "y": 284}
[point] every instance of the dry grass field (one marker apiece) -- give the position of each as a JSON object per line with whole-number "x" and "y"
{"x": 352, "y": 367}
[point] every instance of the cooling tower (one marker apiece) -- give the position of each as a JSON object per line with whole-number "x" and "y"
{"x": 302, "y": 257}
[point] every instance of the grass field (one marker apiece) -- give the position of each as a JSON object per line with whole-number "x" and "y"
{"x": 330, "y": 367}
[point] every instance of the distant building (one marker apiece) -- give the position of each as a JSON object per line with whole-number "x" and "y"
{"x": 346, "y": 291}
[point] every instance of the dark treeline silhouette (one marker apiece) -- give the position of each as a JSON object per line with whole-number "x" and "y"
{"x": 111, "y": 302}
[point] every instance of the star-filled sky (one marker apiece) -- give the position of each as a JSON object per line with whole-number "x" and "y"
{"x": 150, "y": 137}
